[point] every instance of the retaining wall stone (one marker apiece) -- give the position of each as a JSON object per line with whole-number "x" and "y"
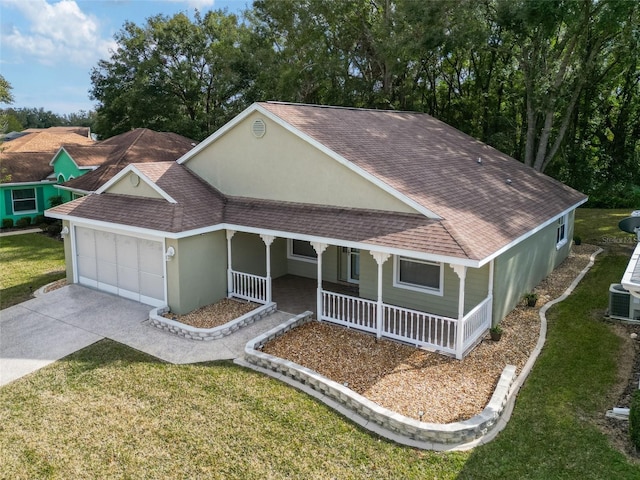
{"x": 206, "y": 334}
{"x": 451, "y": 433}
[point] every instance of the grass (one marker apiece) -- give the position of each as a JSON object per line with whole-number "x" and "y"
{"x": 110, "y": 411}
{"x": 28, "y": 262}
{"x": 599, "y": 226}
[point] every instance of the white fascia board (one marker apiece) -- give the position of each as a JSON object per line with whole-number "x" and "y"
{"x": 330, "y": 241}
{"x": 107, "y": 226}
{"x": 303, "y": 136}
{"x": 133, "y": 169}
{"x": 627, "y": 282}
{"x": 258, "y": 231}
{"x": 76, "y": 190}
{"x": 26, "y": 184}
{"x": 218, "y": 133}
{"x": 531, "y": 232}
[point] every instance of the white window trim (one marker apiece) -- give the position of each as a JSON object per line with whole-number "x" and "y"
{"x": 417, "y": 288}
{"x": 24, "y": 212}
{"x": 293, "y": 256}
{"x": 565, "y": 222}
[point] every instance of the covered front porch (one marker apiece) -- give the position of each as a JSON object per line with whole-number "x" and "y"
{"x": 360, "y": 304}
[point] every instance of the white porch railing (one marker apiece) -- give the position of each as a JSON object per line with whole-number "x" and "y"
{"x": 433, "y": 332}
{"x": 249, "y": 287}
{"x": 476, "y": 322}
{"x": 349, "y": 311}
{"x": 420, "y": 328}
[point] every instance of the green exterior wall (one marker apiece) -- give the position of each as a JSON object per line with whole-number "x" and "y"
{"x": 44, "y": 193}
{"x": 65, "y": 166}
{"x": 476, "y": 288}
{"x": 197, "y": 275}
{"x": 525, "y": 265}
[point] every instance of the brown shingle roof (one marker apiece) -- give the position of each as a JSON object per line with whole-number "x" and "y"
{"x": 437, "y": 166}
{"x": 424, "y": 159}
{"x": 198, "y": 205}
{"x": 137, "y": 146}
{"x": 24, "y": 167}
{"x": 44, "y": 141}
{"x": 26, "y": 158}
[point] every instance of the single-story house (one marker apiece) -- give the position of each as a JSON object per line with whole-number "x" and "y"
{"x": 26, "y": 182}
{"x": 438, "y": 234}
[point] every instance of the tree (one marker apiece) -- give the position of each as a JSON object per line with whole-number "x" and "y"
{"x": 173, "y": 74}
{"x": 5, "y": 91}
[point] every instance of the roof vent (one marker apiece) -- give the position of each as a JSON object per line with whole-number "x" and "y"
{"x": 258, "y": 128}
{"x": 479, "y": 160}
{"x": 509, "y": 182}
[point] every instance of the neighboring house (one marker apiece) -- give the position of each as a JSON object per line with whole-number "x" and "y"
{"x": 26, "y": 182}
{"x": 439, "y": 234}
{"x": 105, "y": 159}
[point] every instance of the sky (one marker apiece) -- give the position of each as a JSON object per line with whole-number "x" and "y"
{"x": 48, "y": 47}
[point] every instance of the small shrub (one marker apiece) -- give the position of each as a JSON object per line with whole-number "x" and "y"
{"x": 23, "y": 222}
{"x": 55, "y": 201}
{"x": 577, "y": 240}
{"x": 39, "y": 219}
{"x": 634, "y": 420}
{"x": 7, "y": 222}
{"x": 54, "y": 229}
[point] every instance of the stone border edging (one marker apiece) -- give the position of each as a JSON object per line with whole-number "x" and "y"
{"x": 194, "y": 333}
{"x": 502, "y": 417}
{"x": 368, "y": 414}
{"x": 536, "y": 351}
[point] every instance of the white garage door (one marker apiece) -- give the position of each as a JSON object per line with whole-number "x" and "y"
{"x": 127, "y": 266}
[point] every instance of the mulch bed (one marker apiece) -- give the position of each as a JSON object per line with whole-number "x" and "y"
{"x": 214, "y": 315}
{"x": 417, "y": 383}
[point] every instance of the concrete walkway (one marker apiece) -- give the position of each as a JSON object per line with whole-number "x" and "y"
{"x": 40, "y": 331}
{"x": 20, "y": 232}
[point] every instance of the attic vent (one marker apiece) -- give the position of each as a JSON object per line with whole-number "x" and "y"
{"x": 258, "y": 128}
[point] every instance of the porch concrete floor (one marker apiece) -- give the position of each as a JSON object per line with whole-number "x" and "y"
{"x": 295, "y": 294}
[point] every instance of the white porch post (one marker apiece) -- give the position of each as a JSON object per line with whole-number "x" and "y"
{"x": 380, "y": 258}
{"x": 461, "y": 271}
{"x": 490, "y": 293}
{"x": 268, "y": 240}
{"x": 319, "y": 248}
{"x": 230, "y": 234}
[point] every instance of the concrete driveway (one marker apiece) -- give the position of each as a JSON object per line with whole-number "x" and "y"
{"x": 45, "y": 329}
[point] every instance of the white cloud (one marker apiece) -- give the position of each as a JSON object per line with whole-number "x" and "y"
{"x": 199, "y": 4}
{"x": 56, "y": 32}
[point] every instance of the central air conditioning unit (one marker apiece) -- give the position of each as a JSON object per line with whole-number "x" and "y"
{"x": 622, "y": 304}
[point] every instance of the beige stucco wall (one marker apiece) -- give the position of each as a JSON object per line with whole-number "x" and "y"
{"x": 281, "y": 166}
{"x": 125, "y": 187}
{"x": 197, "y": 274}
{"x": 68, "y": 256}
{"x": 525, "y": 265}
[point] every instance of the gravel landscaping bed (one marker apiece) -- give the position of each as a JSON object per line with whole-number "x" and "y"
{"x": 420, "y": 384}
{"x": 214, "y": 315}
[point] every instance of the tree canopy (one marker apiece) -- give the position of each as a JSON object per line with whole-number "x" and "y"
{"x": 554, "y": 84}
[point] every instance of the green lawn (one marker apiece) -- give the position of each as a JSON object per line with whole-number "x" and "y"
{"x": 599, "y": 226}
{"x": 110, "y": 411}
{"x": 28, "y": 262}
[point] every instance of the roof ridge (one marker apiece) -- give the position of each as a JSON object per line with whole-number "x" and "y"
{"x": 126, "y": 150}
{"x": 342, "y": 107}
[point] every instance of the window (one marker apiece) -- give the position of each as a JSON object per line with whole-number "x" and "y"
{"x": 301, "y": 250}
{"x": 24, "y": 200}
{"x": 419, "y": 275}
{"x": 561, "y": 231}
